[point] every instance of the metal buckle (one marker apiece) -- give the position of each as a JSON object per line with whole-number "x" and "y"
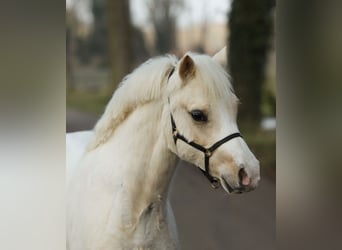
{"x": 215, "y": 184}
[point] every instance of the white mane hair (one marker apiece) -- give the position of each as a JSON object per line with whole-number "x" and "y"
{"x": 143, "y": 85}
{"x": 148, "y": 82}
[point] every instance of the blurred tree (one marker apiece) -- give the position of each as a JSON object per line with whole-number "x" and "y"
{"x": 98, "y": 41}
{"x": 83, "y": 49}
{"x": 163, "y": 14}
{"x": 94, "y": 48}
{"x": 251, "y": 27}
{"x": 140, "y": 51}
{"x": 120, "y": 39}
{"x": 111, "y": 42}
{"x": 200, "y": 48}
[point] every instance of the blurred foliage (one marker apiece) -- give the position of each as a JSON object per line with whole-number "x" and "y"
{"x": 262, "y": 144}
{"x": 251, "y": 27}
{"x": 98, "y": 39}
{"x": 110, "y": 43}
{"x": 162, "y": 15}
{"x": 87, "y": 101}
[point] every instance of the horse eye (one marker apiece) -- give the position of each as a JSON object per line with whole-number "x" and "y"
{"x": 198, "y": 115}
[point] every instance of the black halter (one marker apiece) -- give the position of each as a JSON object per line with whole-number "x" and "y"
{"x": 208, "y": 152}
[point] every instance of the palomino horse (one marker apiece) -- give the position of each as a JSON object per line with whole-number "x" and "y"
{"x": 119, "y": 174}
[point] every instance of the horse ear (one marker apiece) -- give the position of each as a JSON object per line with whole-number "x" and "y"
{"x": 187, "y": 68}
{"x": 221, "y": 57}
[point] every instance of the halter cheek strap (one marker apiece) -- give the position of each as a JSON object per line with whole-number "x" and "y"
{"x": 208, "y": 152}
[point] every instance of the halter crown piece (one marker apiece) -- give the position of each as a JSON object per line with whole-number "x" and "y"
{"x": 208, "y": 152}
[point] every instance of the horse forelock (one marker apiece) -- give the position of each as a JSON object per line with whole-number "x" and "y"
{"x": 146, "y": 83}
{"x": 212, "y": 77}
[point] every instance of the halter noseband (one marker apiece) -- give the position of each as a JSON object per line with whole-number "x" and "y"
{"x": 208, "y": 152}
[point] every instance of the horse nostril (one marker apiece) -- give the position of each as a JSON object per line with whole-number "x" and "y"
{"x": 243, "y": 178}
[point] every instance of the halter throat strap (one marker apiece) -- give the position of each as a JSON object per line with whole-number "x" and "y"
{"x": 208, "y": 152}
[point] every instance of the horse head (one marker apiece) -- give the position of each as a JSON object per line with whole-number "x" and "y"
{"x": 202, "y": 111}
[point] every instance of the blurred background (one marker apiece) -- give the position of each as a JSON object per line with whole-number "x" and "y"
{"x": 309, "y": 121}
{"x": 106, "y": 39}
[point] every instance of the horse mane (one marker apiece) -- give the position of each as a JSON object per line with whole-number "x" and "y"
{"x": 147, "y": 83}
{"x": 143, "y": 85}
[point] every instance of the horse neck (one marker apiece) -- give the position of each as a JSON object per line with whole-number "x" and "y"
{"x": 150, "y": 166}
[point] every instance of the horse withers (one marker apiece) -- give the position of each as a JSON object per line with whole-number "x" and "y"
{"x": 119, "y": 173}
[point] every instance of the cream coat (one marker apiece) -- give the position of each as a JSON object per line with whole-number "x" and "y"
{"x": 119, "y": 174}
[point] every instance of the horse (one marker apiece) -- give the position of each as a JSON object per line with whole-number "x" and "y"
{"x": 118, "y": 174}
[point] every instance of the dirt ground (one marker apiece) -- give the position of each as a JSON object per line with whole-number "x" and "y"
{"x": 209, "y": 219}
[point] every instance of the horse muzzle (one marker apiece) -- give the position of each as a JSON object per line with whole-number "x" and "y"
{"x": 244, "y": 184}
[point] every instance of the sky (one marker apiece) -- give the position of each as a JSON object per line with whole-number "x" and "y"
{"x": 195, "y": 11}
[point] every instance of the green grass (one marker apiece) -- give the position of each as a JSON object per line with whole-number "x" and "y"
{"x": 91, "y": 102}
